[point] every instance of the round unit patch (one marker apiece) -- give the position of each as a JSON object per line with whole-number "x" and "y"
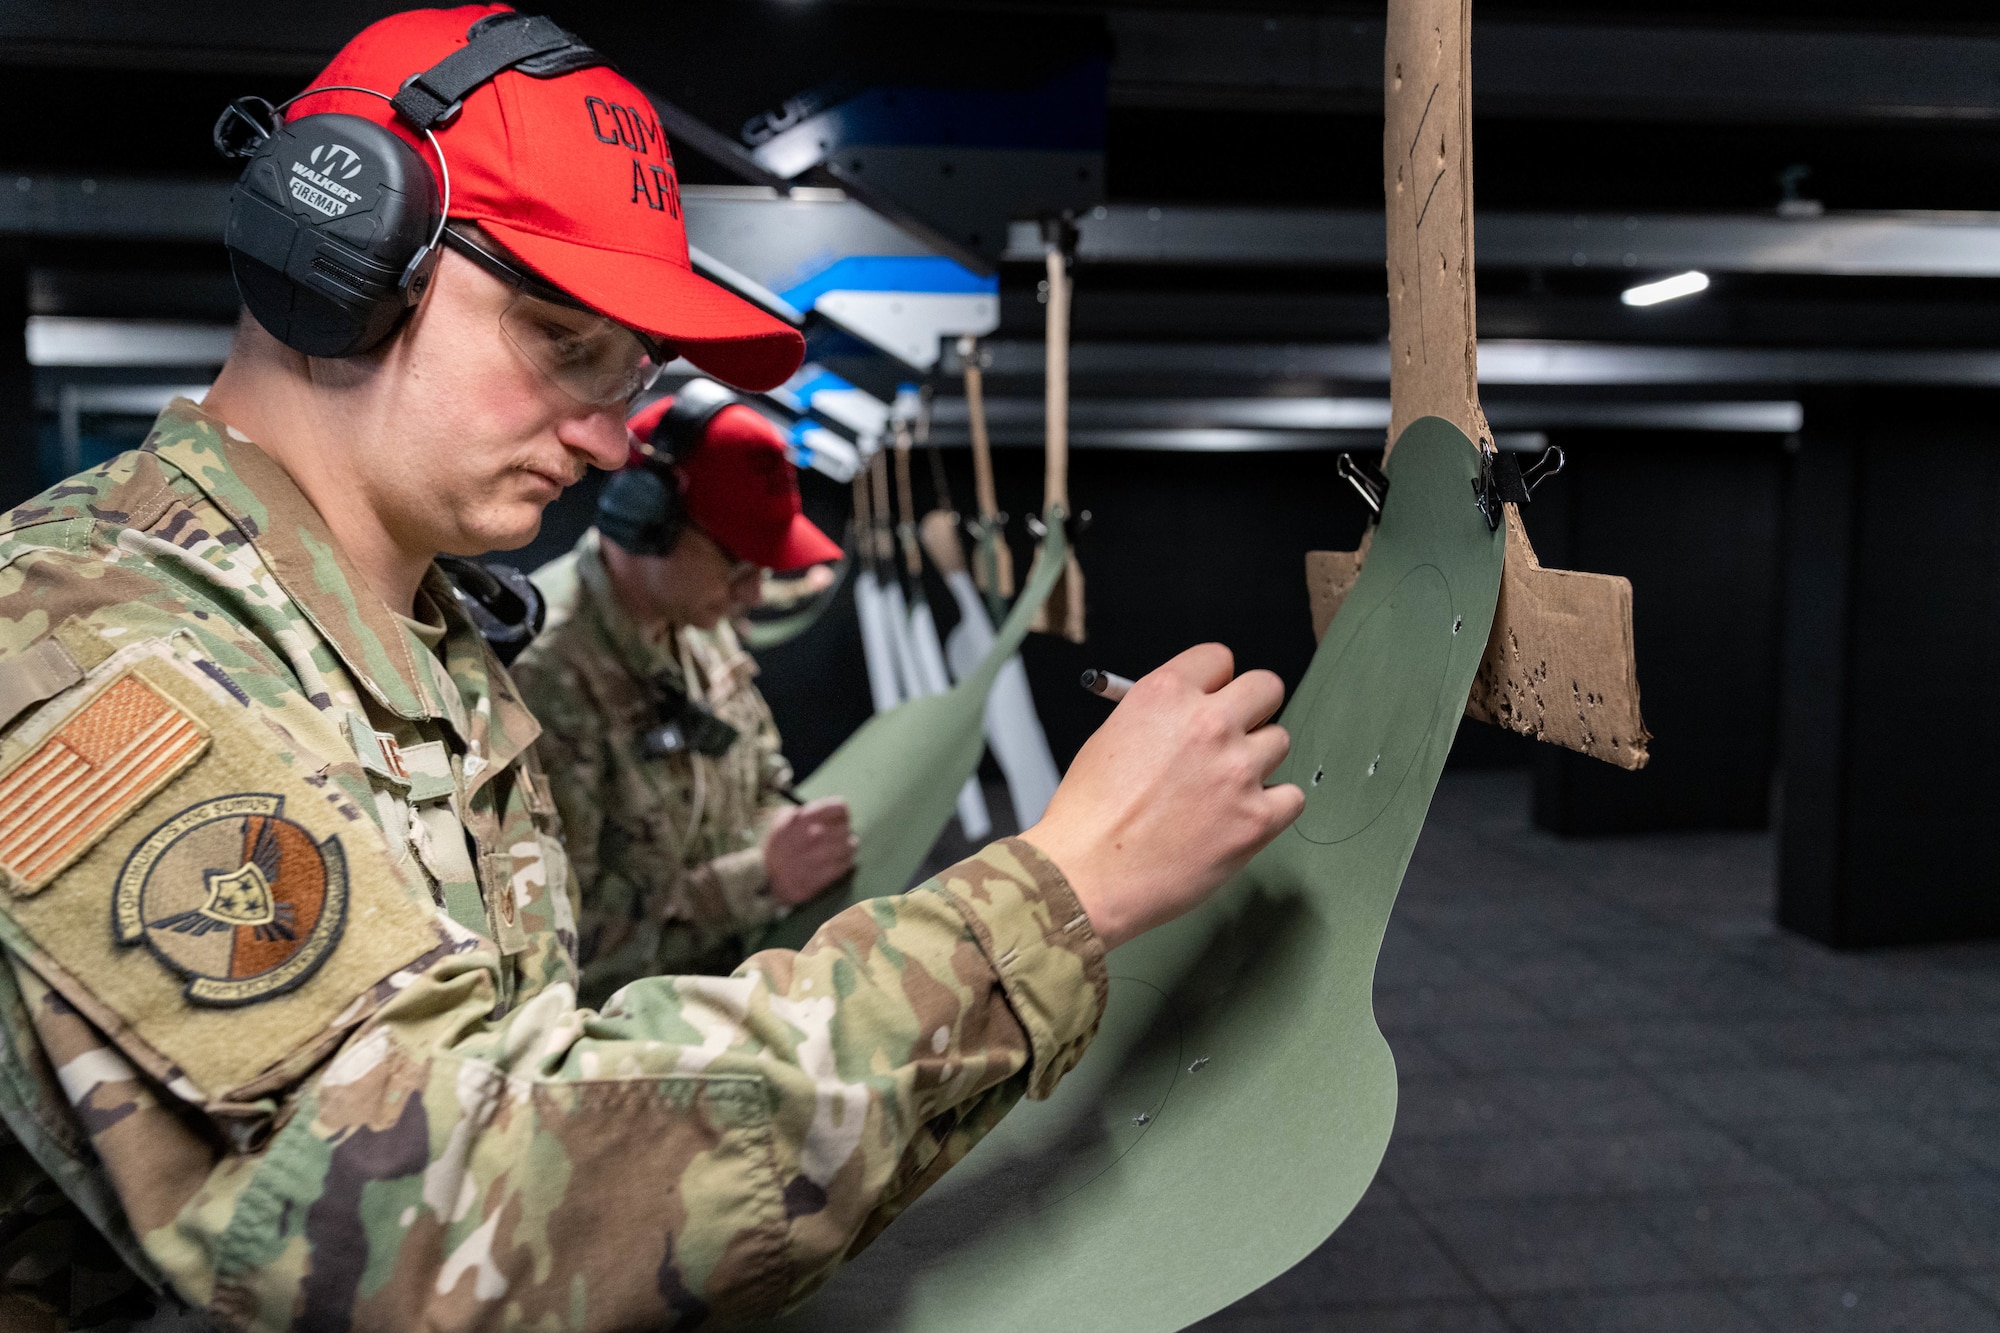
{"x": 234, "y": 897}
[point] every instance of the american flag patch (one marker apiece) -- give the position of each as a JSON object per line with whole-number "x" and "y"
{"x": 60, "y": 797}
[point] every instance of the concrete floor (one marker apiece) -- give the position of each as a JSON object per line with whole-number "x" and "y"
{"x": 1630, "y": 1104}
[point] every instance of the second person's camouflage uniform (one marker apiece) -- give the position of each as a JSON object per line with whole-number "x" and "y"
{"x": 668, "y": 850}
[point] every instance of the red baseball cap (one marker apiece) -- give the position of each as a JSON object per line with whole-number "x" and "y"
{"x": 741, "y": 488}
{"x": 574, "y": 176}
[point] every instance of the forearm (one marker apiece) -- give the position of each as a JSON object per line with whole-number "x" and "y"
{"x": 774, "y": 771}
{"x": 1005, "y": 1021}
{"x": 711, "y": 1146}
{"x": 728, "y": 893}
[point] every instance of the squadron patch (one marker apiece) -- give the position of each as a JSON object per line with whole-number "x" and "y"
{"x": 233, "y": 897}
{"x": 61, "y": 796}
{"x": 207, "y": 870}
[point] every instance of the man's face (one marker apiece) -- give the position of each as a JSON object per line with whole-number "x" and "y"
{"x": 474, "y": 441}
{"x": 697, "y": 583}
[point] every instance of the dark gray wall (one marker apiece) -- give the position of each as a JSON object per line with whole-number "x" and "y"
{"x": 1893, "y": 649}
{"x": 20, "y": 477}
{"x": 1695, "y": 522}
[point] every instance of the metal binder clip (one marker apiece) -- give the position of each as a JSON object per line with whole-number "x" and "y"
{"x": 1502, "y": 481}
{"x": 1548, "y": 465}
{"x": 1367, "y": 480}
{"x": 1489, "y": 487}
{"x": 977, "y": 527}
{"x": 1074, "y": 526}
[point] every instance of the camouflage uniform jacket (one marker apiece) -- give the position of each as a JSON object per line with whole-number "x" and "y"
{"x": 288, "y": 997}
{"x": 666, "y": 852}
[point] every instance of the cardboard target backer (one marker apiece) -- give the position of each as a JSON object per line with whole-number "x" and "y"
{"x": 1559, "y": 666}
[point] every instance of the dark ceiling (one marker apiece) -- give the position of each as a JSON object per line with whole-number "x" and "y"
{"x": 130, "y": 87}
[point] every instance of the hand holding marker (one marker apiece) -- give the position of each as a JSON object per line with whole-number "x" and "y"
{"x": 1105, "y": 685}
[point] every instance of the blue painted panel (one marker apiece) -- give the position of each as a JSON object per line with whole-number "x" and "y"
{"x": 824, "y": 381}
{"x": 890, "y": 273}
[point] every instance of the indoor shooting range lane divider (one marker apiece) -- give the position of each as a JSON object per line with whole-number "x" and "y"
{"x": 1238, "y": 1098}
{"x": 926, "y": 646}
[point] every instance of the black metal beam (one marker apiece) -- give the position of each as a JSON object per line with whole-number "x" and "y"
{"x": 1502, "y": 362}
{"x": 1898, "y": 244}
{"x": 1237, "y": 57}
{"x": 1247, "y": 58}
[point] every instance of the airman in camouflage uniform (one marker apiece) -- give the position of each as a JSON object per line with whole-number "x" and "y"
{"x": 426, "y": 1130}
{"x": 286, "y": 951}
{"x": 666, "y": 850}
{"x": 678, "y": 849}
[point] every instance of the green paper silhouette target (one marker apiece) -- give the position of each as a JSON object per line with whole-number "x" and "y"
{"x": 1239, "y": 1096}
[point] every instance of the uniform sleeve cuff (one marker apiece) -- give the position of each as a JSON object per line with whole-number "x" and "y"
{"x": 745, "y": 887}
{"x": 1040, "y": 940}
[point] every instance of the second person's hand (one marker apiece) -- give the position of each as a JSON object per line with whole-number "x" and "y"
{"x": 807, "y": 849}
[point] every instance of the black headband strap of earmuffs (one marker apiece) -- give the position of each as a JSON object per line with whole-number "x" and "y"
{"x": 427, "y": 101}
{"x": 430, "y": 100}
{"x": 696, "y": 403}
{"x": 644, "y": 509}
{"x": 536, "y": 46}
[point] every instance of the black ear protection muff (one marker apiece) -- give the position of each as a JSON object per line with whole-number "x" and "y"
{"x": 334, "y": 225}
{"x": 333, "y": 231}
{"x": 642, "y": 508}
{"x": 506, "y": 609}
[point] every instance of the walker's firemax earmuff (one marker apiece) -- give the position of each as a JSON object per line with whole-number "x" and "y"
{"x": 641, "y": 508}
{"x": 334, "y": 225}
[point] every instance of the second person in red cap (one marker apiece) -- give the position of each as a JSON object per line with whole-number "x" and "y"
{"x": 663, "y": 756}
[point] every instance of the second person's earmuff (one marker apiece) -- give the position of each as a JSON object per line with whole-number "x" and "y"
{"x": 642, "y": 508}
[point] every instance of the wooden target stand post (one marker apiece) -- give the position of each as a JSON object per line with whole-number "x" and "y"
{"x": 1559, "y": 663}
{"x": 992, "y": 562}
{"x": 1062, "y": 614}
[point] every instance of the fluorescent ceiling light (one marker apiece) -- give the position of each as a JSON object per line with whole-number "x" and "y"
{"x": 1666, "y": 289}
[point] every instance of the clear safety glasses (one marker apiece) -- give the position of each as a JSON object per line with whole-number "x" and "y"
{"x": 592, "y": 358}
{"x": 740, "y": 570}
